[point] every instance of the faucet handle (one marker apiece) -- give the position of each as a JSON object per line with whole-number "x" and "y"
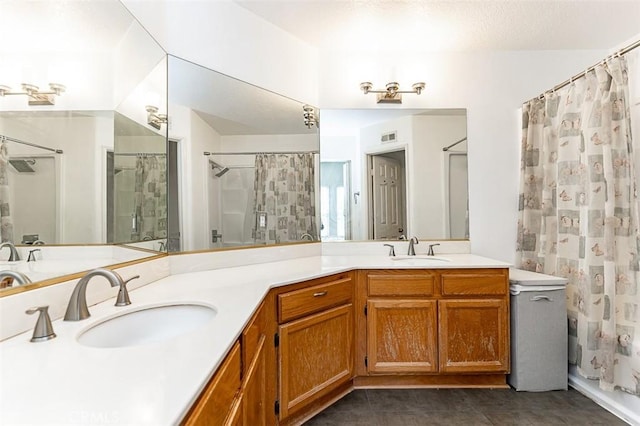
{"x": 431, "y": 246}
{"x": 123, "y": 293}
{"x": 32, "y": 255}
{"x": 392, "y": 249}
{"x": 43, "y": 329}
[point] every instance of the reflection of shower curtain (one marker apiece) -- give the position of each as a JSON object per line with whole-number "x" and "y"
{"x": 285, "y": 195}
{"x": 150, "y": 197}
{"x": 6, "y": 224}
{"x": 579, "y": 220}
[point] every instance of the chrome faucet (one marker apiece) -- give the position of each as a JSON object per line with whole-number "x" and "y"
{"x": 412, "y": 242}
{"x": 18, "y": 276}
{"x": 14, "y": 255}
{"x": 306, "y": 236}
{"x": 77, "y": 309}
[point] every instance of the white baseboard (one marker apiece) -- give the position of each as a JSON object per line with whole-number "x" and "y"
{"x": 623, "y": 405}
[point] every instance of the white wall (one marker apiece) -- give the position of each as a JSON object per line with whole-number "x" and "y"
{"x": 227, "y": 38}
{"x": 195, "y": 138}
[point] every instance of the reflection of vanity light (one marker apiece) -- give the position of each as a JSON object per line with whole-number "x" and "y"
{"x": 392, "y": 93}
{"x": 154, "y": 119}
{"x": 36, "y": 97}
{"x": 309, "y": 116}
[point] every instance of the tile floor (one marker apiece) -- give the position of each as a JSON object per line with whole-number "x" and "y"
{"x": 411, "y": 407}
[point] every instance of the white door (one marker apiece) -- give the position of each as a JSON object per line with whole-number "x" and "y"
{"x": 387, "y": 198}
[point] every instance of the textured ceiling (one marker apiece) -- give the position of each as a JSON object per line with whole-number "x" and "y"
{"x": 453, "y": 25}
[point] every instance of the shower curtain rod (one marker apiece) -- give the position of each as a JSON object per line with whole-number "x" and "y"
{"x": 139, "y": 153}
{"x": 7, "y": 138}
{"x": 260, "y": 152}
{"x": 446, "y": 148}
{"x": 570, "y": 80}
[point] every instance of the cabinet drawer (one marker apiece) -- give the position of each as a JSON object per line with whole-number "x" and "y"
{"x": 401, "y": 285}
{"x": 298, "y": 303}
{"x": 475, "y": 283}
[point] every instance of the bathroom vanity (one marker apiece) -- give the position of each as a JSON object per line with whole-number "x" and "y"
{"x": 288, "y": 339}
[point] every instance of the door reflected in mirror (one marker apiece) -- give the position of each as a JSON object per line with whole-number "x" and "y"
{"x": 391, "y": 174}
{"x": 245, "y": 164}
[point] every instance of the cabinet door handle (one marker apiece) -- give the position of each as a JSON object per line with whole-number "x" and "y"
{"x": 320, "y": 293}
{"x": 539, "y": 298}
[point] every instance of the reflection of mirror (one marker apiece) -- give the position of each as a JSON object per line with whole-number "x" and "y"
{"x": 107, "y": 63}
{"x": 386, "y": 174}
{"x": 256, "y": 185}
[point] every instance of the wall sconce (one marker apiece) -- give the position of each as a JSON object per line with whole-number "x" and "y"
{"x": 154, "y": 119}
{"x": 36, "y": 97}
{"x": 392, "y": 94}
{"x": 309, "y": 115}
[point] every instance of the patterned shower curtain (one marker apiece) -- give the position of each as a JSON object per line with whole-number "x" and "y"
{"x": 150, "y": 197}
{"x": 285, "y": 195}
{"x": 6, "y": 223}
{"x": 578, "y": 218}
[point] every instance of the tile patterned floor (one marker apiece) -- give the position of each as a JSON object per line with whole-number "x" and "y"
{"x": 413, "y": 407}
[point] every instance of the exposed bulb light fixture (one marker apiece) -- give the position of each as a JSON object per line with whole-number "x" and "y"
{"x": 309, "y": 115}
{"x": 36, "y": 97}
{"x": 154, "y": 119}
{"x": 392, "y": 93}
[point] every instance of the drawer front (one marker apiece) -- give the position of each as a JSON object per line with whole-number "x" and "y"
{"x": 298, "y": 303}
{"x": 475, "y": 283}
{"x": 401, "y": 285}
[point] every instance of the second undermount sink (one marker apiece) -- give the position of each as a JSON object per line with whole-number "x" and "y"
{"x": 147, "y": 325}
{"x": 421, "y": 259}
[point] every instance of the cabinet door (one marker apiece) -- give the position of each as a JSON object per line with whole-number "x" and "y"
{"x": 401, "y": 336}
{"x": 315, "y": 357}
{"x": 474, "y": 336}
{"x": 254, "y": 392}
{"x": 218, "y": 403}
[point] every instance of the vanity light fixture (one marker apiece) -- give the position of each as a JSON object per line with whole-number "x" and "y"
{"x": 392, "y": 93}
{"x": 154, "y": 119}
{"x": 36, "y": 97}
{"x": 309, "y": 115}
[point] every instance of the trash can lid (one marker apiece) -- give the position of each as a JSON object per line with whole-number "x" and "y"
{"x": 522, "y": 277}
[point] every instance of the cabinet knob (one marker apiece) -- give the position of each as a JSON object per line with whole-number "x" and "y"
{"x": 320, "y": 294}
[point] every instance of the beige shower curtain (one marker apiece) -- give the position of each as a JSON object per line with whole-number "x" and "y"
{"x": 6, "y": 223}
{"x": 578, "y": 218}
{"x": 285, "y": 197}
{"x": 150, "y": 197}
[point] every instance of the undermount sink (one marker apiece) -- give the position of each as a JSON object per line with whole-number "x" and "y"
{"x": 420, "y": 259}
{"x": 147, "y": 325}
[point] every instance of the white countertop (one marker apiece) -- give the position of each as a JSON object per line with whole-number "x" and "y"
{"x": 62, "y": 382}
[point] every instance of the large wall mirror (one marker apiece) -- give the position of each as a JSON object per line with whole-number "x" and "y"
{"x": 393, "y": 174}
{"x": 82, "y": 158}
{"x": 243, "y": 163}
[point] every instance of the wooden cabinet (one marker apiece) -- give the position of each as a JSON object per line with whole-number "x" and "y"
{"x": 436, "y": 322}
{"x": 402, "y": 336}
{"x": 473, "y": 318}
{"x": 315, "y": 352}
{"x": 257, "y": 405}
{"x": 219, "y": 402}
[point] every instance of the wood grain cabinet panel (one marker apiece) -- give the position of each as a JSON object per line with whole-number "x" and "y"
{"x": 254, "y": 390}
{"x": 404, "y": 284}
{"x": 218, "y": 403}
{"x": 298, "y": 303}
{"x": 315, "y": 357}
{"x": 474, "y": 335}
{"x": 402, "y": 336}
{"x": 474, "y": 282}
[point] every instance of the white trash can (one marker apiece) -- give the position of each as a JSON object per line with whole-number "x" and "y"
{"x": 538, "y": 332}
